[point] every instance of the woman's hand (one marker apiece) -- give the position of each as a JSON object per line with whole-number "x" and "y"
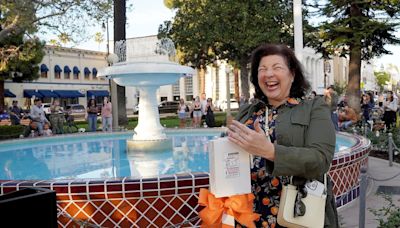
{"x": 254, "y": 142}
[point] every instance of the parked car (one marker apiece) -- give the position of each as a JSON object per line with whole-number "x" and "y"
{"x": 168, "y": 106}
{"x": 76, "y": 110}
{"x": 233, "y": 104}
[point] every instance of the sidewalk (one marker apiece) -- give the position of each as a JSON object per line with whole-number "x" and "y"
{"x": 378, "y": 169}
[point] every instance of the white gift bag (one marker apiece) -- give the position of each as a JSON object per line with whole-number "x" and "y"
{"x": 229, "y": 168}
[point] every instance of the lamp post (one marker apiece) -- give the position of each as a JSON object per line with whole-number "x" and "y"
{"x": 228, "y": 70}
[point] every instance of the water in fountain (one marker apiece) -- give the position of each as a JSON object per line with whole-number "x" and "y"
{"x": 147, "y": 67}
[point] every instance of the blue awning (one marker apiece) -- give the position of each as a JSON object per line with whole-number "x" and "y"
{"x": 97, "y": 93}
{"x": 86, "y": 70}
{"x": 76, "y": 70}
{"x": 32, "y": 93}
{"x": 47, "y": 93}
{"x": 57, "y": 69}
{"x": 68, "y": 93}
{"x": 8, "y": 93}
{"x": 94, "y": 71}
{"x": 67, "y": 70}
{"x": 43, "y": 68}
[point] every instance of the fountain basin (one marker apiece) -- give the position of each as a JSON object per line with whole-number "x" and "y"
{"x": 153, "y": 200}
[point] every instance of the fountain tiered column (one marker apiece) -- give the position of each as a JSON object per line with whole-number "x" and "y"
{"x": 147, "y": 77}
{"x": 149, "y": 127}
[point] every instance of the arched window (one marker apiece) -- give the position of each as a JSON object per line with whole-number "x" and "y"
{"x": 76, "y": 72}
{"x": 57, "y": 72}
{"x": 43, "y": 71}
{"x": 87, "y": 72}
{"x": 67, "y": 72}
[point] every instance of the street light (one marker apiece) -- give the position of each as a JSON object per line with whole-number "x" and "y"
{"x": 105, "y": 26}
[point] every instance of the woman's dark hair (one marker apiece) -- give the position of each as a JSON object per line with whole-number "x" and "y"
{"x": 300, "y": 85}
{"x": 90, "y": 102}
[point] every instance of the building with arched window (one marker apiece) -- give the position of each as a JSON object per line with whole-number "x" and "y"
{"x": 61, "y": 78}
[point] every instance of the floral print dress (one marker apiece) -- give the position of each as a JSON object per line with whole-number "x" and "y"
{"x": 265, "y": 187}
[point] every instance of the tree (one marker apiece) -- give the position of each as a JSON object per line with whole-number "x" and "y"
{"x": 99, "y": 38}
{"x": 20, "y": 19}
{"x": 22, "y": 65}
{"x": 382, "y": 78}
{"x": 359, "y": 30}
{"x": 57, "y": 16}
{"x": 206, "y": 30}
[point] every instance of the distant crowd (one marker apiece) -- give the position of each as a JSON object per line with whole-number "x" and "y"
{"x": 37, "y": 123}
{"x": 378, "y": 110}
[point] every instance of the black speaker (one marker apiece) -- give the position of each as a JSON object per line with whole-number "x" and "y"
{"x": 29, "y": 207}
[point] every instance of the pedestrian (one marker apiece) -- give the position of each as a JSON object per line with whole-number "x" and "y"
{"x": 182, "y": 110}
{"x": 15, "y": 113}
{"x": 300, "y": 140}
{"x": 106, "y": 115}
{"x": 57, "y": 117}
{"x": 210, "y": 119}
{"x": 38, "y": 116}
{"x": 92, "y": 111}
{"x": 390, "y": 107}
{"x": 331, "y": 98}
{"x": 197, "y": 113}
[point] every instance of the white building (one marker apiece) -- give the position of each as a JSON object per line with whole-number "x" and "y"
{"x": 66, "y": 73}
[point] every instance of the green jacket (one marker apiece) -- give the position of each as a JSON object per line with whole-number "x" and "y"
{"x": 304, "y": 147}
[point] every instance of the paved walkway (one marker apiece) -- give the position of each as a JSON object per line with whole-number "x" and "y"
{"x": 377, "y": 169}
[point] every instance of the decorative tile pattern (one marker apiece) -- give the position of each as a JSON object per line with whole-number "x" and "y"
{"x": 166, "y": 200}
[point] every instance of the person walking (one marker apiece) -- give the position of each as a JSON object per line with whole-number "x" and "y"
{"x": 106, "y": 115}
{"x": 92, "y": 111}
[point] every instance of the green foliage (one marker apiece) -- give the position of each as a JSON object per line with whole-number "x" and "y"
{"x": 381, "y": 79}
{"x": 58, "y": 17}
{"x": 358, "y": 29}
{"x": 11, "y": 132}
{"x": 389, "y": 215}
{"x": 340, "y": 88}
{"x": 206, "y": 30}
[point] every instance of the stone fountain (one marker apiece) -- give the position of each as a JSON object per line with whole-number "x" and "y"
{"x": 147, "y": 72}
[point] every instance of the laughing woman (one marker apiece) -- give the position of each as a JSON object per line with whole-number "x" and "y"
{"x": 301, "y": 137}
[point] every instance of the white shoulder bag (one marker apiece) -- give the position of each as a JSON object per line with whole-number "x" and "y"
{"x": 313, "y": 203}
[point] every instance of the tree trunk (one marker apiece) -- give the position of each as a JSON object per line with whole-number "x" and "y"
{"x": 120, "y": 34}
{"x": 236, "y": 83}
{"x": 2, "y": 93}
{"x": 353, "y": 87}
{"x": 202, "y": 79}
{"x": 244, "y": 78}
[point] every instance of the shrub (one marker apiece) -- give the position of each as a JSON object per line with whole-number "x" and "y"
{"x": 11, "y": 132}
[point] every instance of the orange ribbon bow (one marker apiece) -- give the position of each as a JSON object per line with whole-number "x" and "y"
{"x": 238, "y": 206}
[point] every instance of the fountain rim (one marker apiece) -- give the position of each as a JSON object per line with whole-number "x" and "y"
{"x": 123, "y": 69}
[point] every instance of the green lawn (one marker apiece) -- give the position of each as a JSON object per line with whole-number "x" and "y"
{"x": 169, "y": 122}
{"x": 9, "y": 132}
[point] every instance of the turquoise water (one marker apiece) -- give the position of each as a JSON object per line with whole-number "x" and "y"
{"x": 106, "y": 156}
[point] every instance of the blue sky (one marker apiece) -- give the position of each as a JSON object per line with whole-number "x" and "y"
{"x": 146, "y": 16}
